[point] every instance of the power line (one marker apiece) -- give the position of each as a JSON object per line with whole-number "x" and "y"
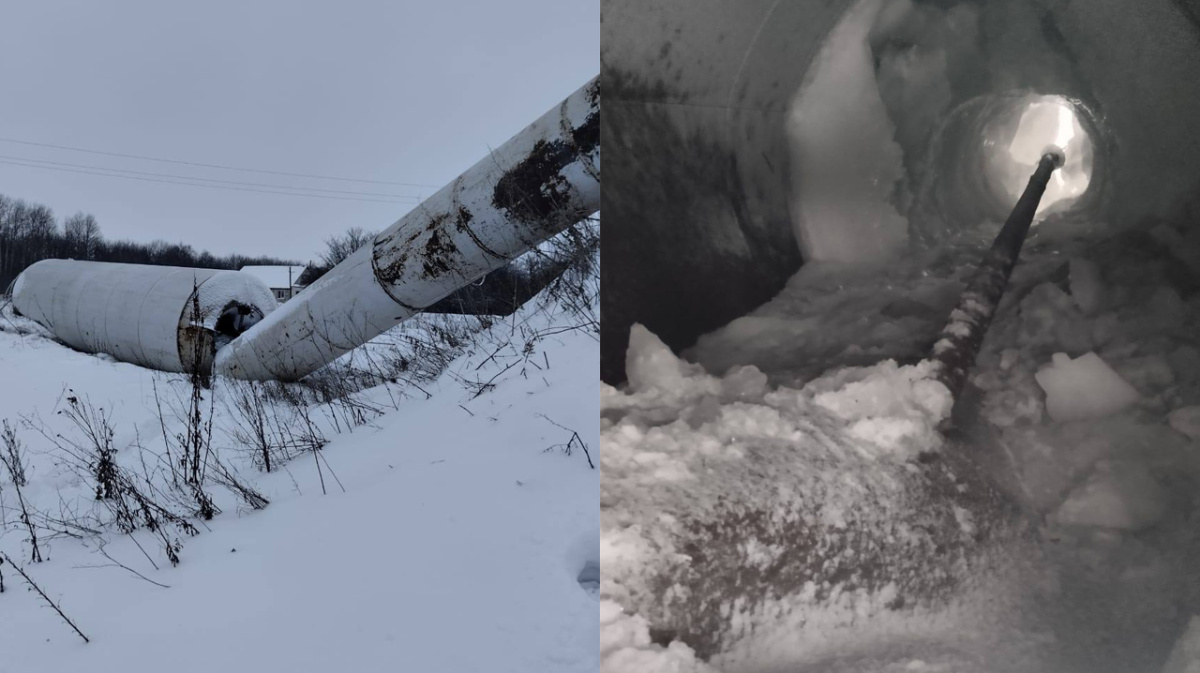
{"x": 193, "y": 184}
{"x": 219, "y": 166}
{"x": 227, "y": 182}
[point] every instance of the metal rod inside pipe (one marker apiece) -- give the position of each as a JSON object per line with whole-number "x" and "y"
{"x": 956, "y": 350}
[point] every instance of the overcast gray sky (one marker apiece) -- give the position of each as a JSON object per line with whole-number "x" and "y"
{"x": 390, "y": 91}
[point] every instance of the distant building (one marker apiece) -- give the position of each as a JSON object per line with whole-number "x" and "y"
{"x": 284, "y": 281}
{"x": 311, "y": 274}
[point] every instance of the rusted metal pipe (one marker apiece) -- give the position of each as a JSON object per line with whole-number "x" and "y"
{"x": 961, "y": 338}
{"x": 532, "y": 187}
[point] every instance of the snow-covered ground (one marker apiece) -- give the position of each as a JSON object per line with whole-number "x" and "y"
{"x": 446, "y": 533}
{"x": 1083, "y": 416}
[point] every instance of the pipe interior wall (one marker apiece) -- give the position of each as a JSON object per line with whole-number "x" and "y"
{"x": 699, "y": 92}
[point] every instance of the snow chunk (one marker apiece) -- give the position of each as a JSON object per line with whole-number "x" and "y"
{"x": 744, "y": 383}
{"x": 1186, "y": 420}
{"x": 846, "y": 160}
{"x": 1122, "y": 496}
{"x": 625, "y": 647}
{"x": 1085, "y": 387}
{"x": 1087, "y": 288}
{"x": 1149, "y": 374}
{"x": 652, "y": 368}
{"x": 894, "y": 407}
{"x": 224, "y": 287}
{"x": 966, "y": 521}
{"x": 1185, "y": 657}
{"x": 1050, "y": 317}
{"x": 886, "y": 389}
{"x": 832, "y": 454}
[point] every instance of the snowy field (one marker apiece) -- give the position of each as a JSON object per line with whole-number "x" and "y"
{"x": 1083, "y": 417}
{"x": 442, "y": 526}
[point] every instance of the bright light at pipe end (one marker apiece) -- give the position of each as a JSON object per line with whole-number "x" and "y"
{"x": 1045, "y": 124}
{"x": 1056, "y": 154}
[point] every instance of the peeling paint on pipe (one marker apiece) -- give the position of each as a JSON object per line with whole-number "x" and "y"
{"x": 541, "y": 181}
{"x": 136, "y": 313}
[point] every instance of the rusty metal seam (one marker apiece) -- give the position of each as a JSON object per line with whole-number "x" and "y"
{"x": 108, "y": 303}
{"x": 141, "y": 350}
{"x": 378, "y": 274}
{"x": 464, "y": 223}
{"x": 567, "y": 130}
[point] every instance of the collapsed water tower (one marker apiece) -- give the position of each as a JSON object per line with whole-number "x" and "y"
{"x": 160, "y": 317}
{"x": 537, "y": 184}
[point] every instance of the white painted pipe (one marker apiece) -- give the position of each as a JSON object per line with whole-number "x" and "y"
{"x": 136, "y": 313}
{"x": 541, "y": 181}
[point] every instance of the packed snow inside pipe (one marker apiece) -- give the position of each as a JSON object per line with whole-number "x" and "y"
{"x": 801, "y": 194}
{"x": 159, "y": 317}
{"x": 535, "y": 185}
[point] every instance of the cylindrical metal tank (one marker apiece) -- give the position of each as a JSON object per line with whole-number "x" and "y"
{"x": 136, "y": 313}
{"x": 535, "y": 185}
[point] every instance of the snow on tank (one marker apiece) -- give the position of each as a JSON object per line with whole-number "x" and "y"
{"x": 141, "y": 314}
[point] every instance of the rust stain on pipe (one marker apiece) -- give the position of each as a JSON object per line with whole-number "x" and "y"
{"x": 541, "y": 181}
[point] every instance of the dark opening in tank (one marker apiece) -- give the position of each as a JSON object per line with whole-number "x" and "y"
{"x": 234, "y": 320}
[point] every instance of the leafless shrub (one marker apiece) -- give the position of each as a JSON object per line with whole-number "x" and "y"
{"x": 11, "y": 456}
{"x": 196, "y": 442}
{"x": 275, "y": 420}
{"x": 132, "y": 501}
{"x": 192, "y": 446}
{"x": 336, "y": 397}
{"x": 577, "y": 290}
{"x": 162, "y": 422}
{"x": 114, "y": 563}
{"x": 575, "y": 442}
{"x": 15, "y": 463}
{"x": 94, "y": 423}
{"x": 33, "y": 585}
{"x": 247, "y": 403}
{"x": 135, "y": 508}
{"x": 222, "y": 475}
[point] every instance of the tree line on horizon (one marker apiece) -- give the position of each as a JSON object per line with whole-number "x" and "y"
{"x": 30, "y": 232}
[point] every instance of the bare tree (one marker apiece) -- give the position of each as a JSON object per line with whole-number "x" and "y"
{"x": 82, "y": 233}
{"x": 342, "y": 246}
{"x": 29, "y": 233}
